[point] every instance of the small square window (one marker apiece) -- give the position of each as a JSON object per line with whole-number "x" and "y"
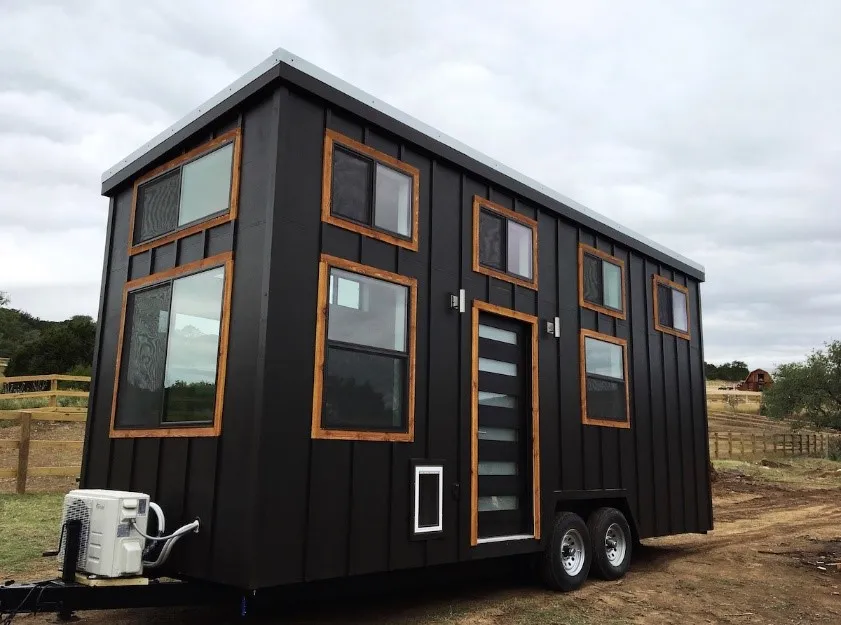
{"x": 369, "y": 192}
{"x": 671, "y": 310}
{"x": 504, "y": 243}
{"x": 604, "y": 380}
{"x": 601, "y": 278}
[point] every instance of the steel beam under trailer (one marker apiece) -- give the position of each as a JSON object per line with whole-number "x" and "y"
{"x": 64, "y": 598}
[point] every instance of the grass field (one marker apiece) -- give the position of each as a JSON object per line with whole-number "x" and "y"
{"x": 28, "y": 527}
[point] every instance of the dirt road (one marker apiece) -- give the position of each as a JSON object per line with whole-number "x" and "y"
{"x": 756, "y": 567}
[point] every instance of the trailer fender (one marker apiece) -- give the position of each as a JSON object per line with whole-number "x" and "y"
{"x": 584, "y": 502}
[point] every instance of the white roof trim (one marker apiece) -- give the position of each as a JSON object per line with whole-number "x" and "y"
{"x": 283, "y": 56}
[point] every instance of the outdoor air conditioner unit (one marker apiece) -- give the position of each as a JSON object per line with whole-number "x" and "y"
{"x": 110, "y": 545}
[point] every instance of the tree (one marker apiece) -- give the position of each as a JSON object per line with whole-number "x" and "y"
{"x": 58, "y": 349}
{"x": 735, "y": 371}
{"x": 4, "y": 298}
{"x": 18, "y": 328}
{"x": 810, "y": 390}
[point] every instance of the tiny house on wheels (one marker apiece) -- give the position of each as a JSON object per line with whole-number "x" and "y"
{"x": 348, "y": 344}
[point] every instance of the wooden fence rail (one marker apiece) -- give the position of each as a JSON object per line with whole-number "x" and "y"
{"x": 744, "y": 445}
{"x": 50, "y": 412}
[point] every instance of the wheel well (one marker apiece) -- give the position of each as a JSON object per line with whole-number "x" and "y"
{"x": 584, "y": 507}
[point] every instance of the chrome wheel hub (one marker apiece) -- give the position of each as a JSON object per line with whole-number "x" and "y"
{"x": 572, "y": 552}
{"x": 615, "y": 544}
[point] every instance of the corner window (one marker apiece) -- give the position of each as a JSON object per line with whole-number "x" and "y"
{"x": 192, "y": 192}
{"x": 504, "y": 244}
{"x": 369, "y": 192}
{"x": 428, "y": 502}
{"x": 171, "y": 365}
{"x": 601, "y": 282}
{"x": 365, "y": 353}
{"x": 671, "y": 309}
{"x": 604, "y": 380}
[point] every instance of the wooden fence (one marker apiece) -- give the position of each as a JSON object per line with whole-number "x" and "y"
{"x": 50, "y": 412}
{"x": 746, "y": 445}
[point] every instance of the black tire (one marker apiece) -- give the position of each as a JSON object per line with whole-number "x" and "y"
{"x": 568, "y": 532}
{"x": 611, "y": 552}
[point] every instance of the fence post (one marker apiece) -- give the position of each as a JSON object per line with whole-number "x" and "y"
{"x": 800, "y": 442}
{"x": 752, "y": 444}
{"x": 716, "y": 444}
{"x": 23, "y": 450}
{"x": 764, "y": 442}
{"x": 730, "y": 444}
{"x": 814, "y": 444}
{"x": 53, "y": 389}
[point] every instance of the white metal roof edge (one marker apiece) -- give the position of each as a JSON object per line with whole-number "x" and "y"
{"x": 283, "y": 56}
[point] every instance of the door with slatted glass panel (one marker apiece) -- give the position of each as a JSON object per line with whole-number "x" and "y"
{"x": 504, "y": 504}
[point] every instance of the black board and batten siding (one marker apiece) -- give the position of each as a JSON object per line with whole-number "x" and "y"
{"x": 280, "y": 507}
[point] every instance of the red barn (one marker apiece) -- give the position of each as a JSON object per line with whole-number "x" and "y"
{"x": 757, "y": 380}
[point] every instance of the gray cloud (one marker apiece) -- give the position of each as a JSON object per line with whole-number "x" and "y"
{"x": 713, "y": 127}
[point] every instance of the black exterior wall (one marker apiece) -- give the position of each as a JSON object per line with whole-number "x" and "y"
{"x": 209, "y": 478}
{"x": 279, "y": 507}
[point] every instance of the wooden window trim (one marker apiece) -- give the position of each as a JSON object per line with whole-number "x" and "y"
{"x": 220, "y": 260}
{"x": 320, "y": 432}
{"x": 478, "y": 204}
{"x": 480, "y": 306}
{"x": 331, "y": 138}
{"x": 232, "y": 136}
{"x": 605, "y": 257}
{"x": 658, "y": 280}
{"x": 583, "y": 375}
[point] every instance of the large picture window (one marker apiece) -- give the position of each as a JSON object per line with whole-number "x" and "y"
{"x": 369, "y": 192}
{"x": 365, "y": 353}
{"x": 193, "y": 192}
{"x": 671, "y": 307}
{"x": 604, "y": 380}
{"x": 601, "y": 282}
{"x": 504, "y": 243}
{"x": 171, "y": 365}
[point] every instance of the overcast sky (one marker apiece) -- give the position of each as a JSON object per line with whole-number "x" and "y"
{"x": 712, "y": 127}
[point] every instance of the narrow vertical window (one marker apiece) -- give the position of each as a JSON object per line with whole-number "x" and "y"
{"x": 601, "y": 282}
{"x": 369, "y": 192}
{"x": 504, "y": 244}
{"x": 428, "y": 490}
{"x": 671, "y": 307}
{"x": 604, "y": 380}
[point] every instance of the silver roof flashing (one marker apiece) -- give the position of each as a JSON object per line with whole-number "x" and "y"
{"x": 281, "y": 56}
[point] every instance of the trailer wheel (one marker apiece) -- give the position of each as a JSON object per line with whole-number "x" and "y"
{"x": 612, "y": 541}
{"x": 566, "y": 559}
